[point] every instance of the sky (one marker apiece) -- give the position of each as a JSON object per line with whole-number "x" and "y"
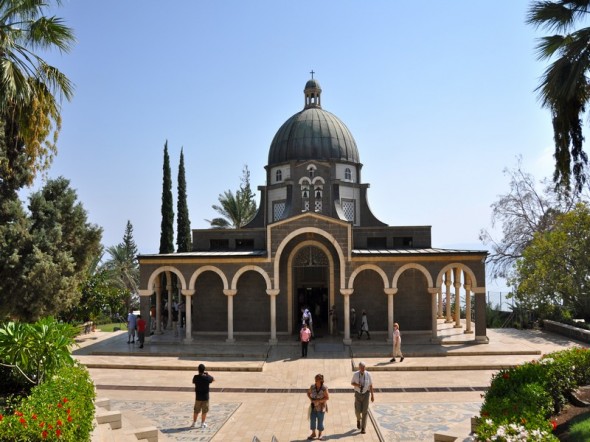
{"x": 439, "y": 96}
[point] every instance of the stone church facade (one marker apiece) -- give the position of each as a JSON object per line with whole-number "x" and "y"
{"x": 315, "y": 242}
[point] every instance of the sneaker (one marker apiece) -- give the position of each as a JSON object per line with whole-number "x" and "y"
{"x": 402, "y": 359}
{"x": 203, "y": 426}
{"x": 392, "y": 360}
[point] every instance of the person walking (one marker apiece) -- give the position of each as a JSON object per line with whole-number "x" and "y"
{"x": 352, "y": 319}
{"x": 364, "y": 326}
{"x": 334, "y": 317}
{"x": 131, "y": 326}
{"x": 363, "y": 386}
{"x": 141, "y": 325}
{"x": 306, "y": 318}
{"x": 397, "y": 344}
{"x": 202, "y": 380}
{"x": 318, "y": 394}
{"x": 305, "y": 337}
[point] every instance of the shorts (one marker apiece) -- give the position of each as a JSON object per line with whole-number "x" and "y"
{"x": 201, "y": 406}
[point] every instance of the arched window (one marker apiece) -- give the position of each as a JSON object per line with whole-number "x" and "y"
{"x": 347, "y": 174}
{"x": 279, "y": 175}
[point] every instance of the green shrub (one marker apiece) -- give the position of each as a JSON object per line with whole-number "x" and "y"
{"x": 62, "y": 408}
{"x": 524, "y": 397}
{"x": 36, "y": 350}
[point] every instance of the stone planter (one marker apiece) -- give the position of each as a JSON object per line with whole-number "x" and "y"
{"x": 474, "y": 423}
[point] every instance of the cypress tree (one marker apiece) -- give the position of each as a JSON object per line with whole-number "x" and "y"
{"x": 167, "y": 228}
{"x": 183, "y": 236}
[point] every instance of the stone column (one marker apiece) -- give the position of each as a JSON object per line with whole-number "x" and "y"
{"x": 158, "y": 309}
{"x": 433, "y": 313}
{"x": 188, "y": 338}
{"x": 230, "y": 314}
{"x": 144, "y": 309}
{"x": 346, "y": 293}
{"x": 457, "y": 285}
{"x": 169, "y": 292}
{"x": 390, "y": 309}
{"x": 448, "y": 287}
{"x": 480, "y": 315}
{"x": 439, "y": 314}
{"x": 273, "y": 315}
{"x": 467, "y": 287}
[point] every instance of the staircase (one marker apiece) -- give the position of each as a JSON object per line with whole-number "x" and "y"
{"x": 115, "y": 426}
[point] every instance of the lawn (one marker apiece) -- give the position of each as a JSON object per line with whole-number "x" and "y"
{"x": 579, "y": 428}
{"x": 111, "y": 327}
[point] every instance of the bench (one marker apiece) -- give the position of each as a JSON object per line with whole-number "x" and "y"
{"x": 86, "y": 327}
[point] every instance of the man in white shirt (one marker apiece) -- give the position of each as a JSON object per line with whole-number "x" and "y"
{"x": 363, "y": 386}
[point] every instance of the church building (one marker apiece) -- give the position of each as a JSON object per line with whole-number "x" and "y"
{"x": 315, "y": 243}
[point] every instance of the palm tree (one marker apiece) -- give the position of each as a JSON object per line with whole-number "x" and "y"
{"x": 124, "y": 269}
{"x": 235, "y": 210}
{"x": 564, "y": 87}
{"x": 30, "y": 89}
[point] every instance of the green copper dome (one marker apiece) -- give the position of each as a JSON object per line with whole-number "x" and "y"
{"x": 313, "y": 134}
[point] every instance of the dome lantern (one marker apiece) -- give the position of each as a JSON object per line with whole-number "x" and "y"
{"x": 312, "y": 93}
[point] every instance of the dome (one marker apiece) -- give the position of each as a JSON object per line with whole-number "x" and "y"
{"x": 313, "y": 134}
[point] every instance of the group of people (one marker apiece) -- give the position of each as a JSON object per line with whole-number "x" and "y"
{"x": 317, "y": 393}
{"x": 135, "y": 324}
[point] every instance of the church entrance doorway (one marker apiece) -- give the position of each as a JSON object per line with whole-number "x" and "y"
{"x": 311, "y": 286}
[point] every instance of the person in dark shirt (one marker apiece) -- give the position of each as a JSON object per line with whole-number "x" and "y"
{"x": 201, "y": 381}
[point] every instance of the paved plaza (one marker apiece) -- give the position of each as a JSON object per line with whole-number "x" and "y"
{"x": 259, "y": 389}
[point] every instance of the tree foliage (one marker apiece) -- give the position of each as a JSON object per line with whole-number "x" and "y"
{"x": 167, "y": 227}
{"x": 183, "y": 236}
{"x": 47, "y": 253}
{"x": 564, "y": 87}
{"x": 235, "y": 210}
{"x": 122, "y": 268}
{"x": 30, "y": 90}
{"x": 554, "y": 270}
{"x": 521, "y": 213}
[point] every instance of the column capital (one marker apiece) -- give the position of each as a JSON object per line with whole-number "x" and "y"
{"x": 145, "y": 292}
{"x": 346, "y": 292}
{"x": 457, "y": 285}
{"x": 391, "y": 291}
{"x": 433, "y": 290}
{"x": 273, "y": 292}
{"x": 467, "y": 286}
{"x": 187, "y": 292}
{"x": 230, "y": 292}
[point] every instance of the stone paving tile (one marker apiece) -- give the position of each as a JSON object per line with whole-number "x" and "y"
{"x": 417, "y": 422}
{"x": 172, "y": 420}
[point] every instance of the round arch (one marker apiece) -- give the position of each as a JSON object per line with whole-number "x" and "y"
{"x": 242, "y": 270}
{"x": 301, "y": 231}
{"x": 453, "y": 266}
{"x": 292, "y": 255}
{"x": 415, "y": 266}
{"x": 373, "y": 267}
{"x": 156, "y": 273}
{"x": 214, "y": 269}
